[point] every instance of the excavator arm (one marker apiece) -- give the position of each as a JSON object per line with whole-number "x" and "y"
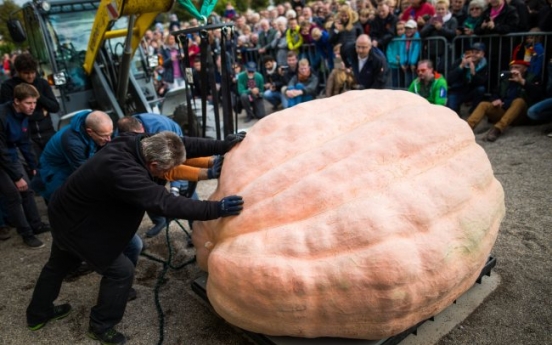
{"x": 145, "y": 12}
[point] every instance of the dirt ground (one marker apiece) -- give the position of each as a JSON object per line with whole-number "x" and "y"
{"x": 518, "y": 312}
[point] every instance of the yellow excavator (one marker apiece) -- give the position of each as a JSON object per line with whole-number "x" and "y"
{"x": 90, "y": 51}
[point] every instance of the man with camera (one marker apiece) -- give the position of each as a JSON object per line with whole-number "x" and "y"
{"x": 467, "y": 78}
{"x": 273, "y": 82}
{"x": 516, "y": 91}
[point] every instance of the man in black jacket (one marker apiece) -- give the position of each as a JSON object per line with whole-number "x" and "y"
{"x": 40, "y": 123}
{"x": 368, "y": 64}
{"x": 382, "y": 27}
{"x": 100, "y": 207}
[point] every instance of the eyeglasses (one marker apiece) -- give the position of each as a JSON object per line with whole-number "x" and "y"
{"x": 103, "y": 136}
{"x": 475, "y": 8}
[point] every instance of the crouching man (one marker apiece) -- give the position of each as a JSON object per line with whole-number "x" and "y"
{"x": 98, "y": 210}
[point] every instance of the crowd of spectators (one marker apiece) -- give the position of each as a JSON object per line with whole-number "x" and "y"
{"x": 362, "y": 44}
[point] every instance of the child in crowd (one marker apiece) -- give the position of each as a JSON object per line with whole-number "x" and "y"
{"x": 532, "y": 52}
{"x": 323, "y": 47}
{"x": 393, "y": 55}
{"x": 339, "y": 80}
{"x": 410, "y": 51}
{"x": 366, "y": 16}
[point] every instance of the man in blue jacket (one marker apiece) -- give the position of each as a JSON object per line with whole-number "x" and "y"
{"x": 70, "y": 148}
{"x": 14, "y": 180}
{"x": 40, "y": 123}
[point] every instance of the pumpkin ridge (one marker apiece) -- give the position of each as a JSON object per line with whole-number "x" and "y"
{"x": 415, "y": 160}
{"x": 269, "y": 127}
{"x": 311, "y": 256}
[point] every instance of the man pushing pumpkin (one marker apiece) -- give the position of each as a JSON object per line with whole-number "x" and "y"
{"x": 98, "y": 210}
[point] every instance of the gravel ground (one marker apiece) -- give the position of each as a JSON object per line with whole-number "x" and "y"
{"x": 517, "y": 312}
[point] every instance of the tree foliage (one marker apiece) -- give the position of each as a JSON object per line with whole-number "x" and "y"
{"x": 6, "y": 8}
{"x": 241, "y": 6}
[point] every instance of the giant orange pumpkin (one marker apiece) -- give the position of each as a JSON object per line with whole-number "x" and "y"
{"x": 364, "y": 214}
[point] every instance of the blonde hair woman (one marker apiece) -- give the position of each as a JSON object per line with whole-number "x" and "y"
{"x": 346, "y": 27}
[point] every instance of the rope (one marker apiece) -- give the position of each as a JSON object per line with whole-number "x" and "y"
{"x": 206, "y": 9}
{"x": 160, "y": 280}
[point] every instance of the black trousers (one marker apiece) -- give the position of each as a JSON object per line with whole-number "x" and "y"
{"x": 257, "y": 111}
{"x": 20, "y": 206}
{"x": 115, "y": 285}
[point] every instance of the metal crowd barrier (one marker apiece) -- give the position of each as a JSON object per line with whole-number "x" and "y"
{"x": 499, "y": 50}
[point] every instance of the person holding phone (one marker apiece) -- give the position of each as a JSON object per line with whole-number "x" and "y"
{"x": 516, "y": 92}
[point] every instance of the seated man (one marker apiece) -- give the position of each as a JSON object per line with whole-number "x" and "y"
{"x": 467, "y": 78}
{"x": 250, "y": 89}
{"x": 273, "y": 82}
{"x": 430, "y": 84}
{"x": 516, "y": 91}
{"x": 302, "y": 87}
{"x": 541, "y": 112}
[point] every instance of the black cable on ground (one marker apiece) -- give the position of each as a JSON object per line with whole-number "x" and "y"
{"x": 166, "y": 265}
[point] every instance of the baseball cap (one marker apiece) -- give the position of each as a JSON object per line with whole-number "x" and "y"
{"x": 251, "y": 66}
{"x": 480, "y": 46}
{"x": 411, "y": 24}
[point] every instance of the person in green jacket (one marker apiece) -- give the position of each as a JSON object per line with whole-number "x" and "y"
{"x": 429, "y": 84}
{"x": 250, "y": 89}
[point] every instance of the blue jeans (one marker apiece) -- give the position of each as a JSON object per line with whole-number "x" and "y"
{"x": 273, "y": 97}
{"x": 409, "y": 77}
{"x": 133, "y": 249}
{"x": 396, "y": 75}
{"x": 299, "y": 99}
{"x": 541, "y": 111}
{"x": 457, "y": 97}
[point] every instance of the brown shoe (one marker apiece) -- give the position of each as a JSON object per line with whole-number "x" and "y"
{"x": 4, "y": 233}
{"x": 493, "y": 134}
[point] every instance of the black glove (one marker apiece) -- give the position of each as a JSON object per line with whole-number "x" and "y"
{"x": 233, "y": 139}
{"x": 230, "y": 206}
{"x": 214, "y": 171}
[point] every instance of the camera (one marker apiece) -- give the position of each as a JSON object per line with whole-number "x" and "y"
{"x": 506, "y": 75}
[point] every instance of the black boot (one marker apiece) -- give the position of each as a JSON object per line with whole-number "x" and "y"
{"x": 157, "y": 227}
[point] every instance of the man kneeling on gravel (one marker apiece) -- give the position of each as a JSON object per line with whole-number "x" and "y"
{"x": 97, "y": 211}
